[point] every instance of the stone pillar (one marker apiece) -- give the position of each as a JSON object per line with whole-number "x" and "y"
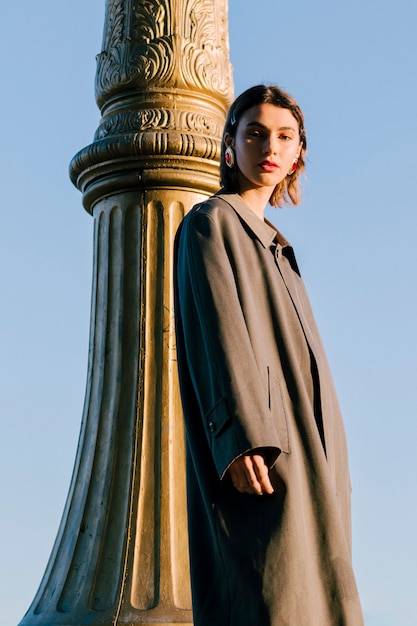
{"x": 163, "y": 86}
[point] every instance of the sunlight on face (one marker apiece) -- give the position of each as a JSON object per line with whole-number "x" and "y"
{"x": 267, "y": 142}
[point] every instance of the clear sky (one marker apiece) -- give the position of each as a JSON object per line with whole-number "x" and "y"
{"x": 352, "y": 67}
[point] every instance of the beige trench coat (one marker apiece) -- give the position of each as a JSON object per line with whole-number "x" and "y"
{"x": 253, "y": 374}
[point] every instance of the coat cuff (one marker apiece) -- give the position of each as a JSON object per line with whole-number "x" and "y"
{"x": 228, "y": 440}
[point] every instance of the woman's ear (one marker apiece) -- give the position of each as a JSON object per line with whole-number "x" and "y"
{"x": 228, "y": 140}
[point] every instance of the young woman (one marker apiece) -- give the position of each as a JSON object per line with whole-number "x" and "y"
{"x": 267, "y": 471}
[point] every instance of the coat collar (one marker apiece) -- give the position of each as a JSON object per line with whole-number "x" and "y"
{"x": 264, "y": 231}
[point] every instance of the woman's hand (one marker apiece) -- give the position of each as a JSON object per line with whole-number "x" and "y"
{"x": 249, "y": 474}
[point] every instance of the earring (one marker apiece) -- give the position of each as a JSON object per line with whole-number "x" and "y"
{"x": 293, "y": 166}
{"x": 229, "y": 157}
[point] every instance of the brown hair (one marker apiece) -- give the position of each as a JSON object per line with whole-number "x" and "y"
{"x": 288, "y": 190}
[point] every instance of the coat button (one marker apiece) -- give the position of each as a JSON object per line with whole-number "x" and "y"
{"x": 211, "y": 427}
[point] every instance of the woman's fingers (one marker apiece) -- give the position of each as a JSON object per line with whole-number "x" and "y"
{"x": 249, "y": 474}
{"x": 262, "y": 473}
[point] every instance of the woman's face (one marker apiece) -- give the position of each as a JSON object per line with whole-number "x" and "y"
{"x": 266, "y": 143}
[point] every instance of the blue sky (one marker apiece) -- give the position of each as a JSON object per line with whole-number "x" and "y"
{"x": 352, "y": 67}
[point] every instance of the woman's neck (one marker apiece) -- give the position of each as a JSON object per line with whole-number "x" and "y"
{"x": 256, "y": 199}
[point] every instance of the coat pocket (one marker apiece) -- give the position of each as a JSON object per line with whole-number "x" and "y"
{"x": 279, "y": 412}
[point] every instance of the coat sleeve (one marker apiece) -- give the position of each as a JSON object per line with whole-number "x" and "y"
{"x": 214, "y": 343}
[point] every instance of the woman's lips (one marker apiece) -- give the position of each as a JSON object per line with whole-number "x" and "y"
{"x": 269, "y": 166}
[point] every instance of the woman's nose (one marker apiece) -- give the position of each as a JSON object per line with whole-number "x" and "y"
{"x": 270, "y": 145}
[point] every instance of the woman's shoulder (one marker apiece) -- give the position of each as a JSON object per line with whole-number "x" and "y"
{"x": 213, "y": 219}
{"x": 217, "y": 208}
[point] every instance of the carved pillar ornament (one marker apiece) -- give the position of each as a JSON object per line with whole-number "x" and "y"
{"x": 163, "y": 86}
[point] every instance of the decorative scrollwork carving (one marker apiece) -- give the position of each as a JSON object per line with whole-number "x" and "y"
{"x": 151, "y": 20}
{"x": 144, "y": 45}
{"x": 152, "y": 53}
{"x": 158, "y": 119}
{"x": 140, "y": 55}
{"x": 163, "y": 83}
{"x": 204, "y": 62}
{"x": 111, "y": 69}
{"x": 152, "y": 62}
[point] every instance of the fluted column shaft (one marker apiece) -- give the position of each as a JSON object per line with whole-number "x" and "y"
{"x": 163, "y": 85}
